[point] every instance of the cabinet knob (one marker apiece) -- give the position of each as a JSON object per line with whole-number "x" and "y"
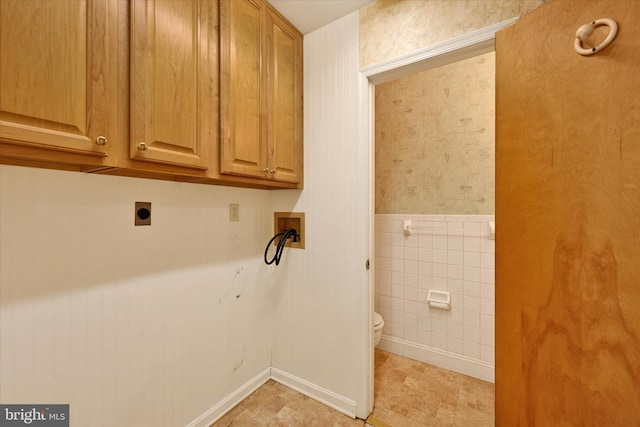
{"x": 142, "y": 146}
{"x": 265, "y": 170}
{"x": 101, "y": 140}
{"x": 273, "y": 171}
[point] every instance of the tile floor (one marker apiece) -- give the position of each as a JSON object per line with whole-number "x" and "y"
{"x": 414, "y": 394}
{"x": 276, "y": 405}
{"x": 407, "y": 394}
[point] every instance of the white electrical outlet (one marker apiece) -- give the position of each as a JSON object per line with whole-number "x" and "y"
{"x": 234, "y": 212}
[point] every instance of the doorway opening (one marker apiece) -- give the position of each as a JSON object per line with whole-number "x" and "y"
{"x": 408, "y": 262}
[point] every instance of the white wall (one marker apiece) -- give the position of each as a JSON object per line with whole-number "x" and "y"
{"x": 160, "y": 325}
{"x": 321, "y": 312}
{"x": 132, "y": 326}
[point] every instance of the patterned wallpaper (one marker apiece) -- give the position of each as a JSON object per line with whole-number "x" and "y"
{"x": 434, "y": 134}
{"x": 392, "y": 28}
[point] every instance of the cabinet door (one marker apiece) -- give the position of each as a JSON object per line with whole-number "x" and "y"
{"x": 242, "y": 88}
{"x": 58, "y": 75}
{"x": 285, "y": 100}
{"x": 173, "y": 81}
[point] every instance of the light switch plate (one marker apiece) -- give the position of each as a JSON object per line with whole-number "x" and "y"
{"x": 234, "y": 212}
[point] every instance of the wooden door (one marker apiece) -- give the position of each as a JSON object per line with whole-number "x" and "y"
{"x": 243, "y": 87}
{"x": 285, "y": 100}
{"x": 58, "y": 84}
{"x": 174, "y": 81}
{"x": 568, "y": 220}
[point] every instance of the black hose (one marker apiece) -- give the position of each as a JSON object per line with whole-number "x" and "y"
{"x": 284, "y": 236}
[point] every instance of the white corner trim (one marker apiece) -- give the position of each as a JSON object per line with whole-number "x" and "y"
{"x": 456, "y": 49}
{"x": 229, "y": 402}
{"x": 444, "y": 359}
{"x": 329, "y": 398}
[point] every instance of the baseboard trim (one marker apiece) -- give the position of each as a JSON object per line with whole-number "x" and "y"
{"x": 444, "y": 359}
{"x": 228, "y": 403}
{"x": 329, "y": 398}
{"x": 452, "y": 361}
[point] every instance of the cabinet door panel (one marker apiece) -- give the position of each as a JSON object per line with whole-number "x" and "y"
{"x": 57, "y": 80}
{"x": 285, "y": 113}
{"x": 171, "y": 68}
{"x": 242, "y": 88}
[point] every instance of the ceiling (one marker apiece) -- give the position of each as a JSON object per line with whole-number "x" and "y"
{"x": 309, "y": 15}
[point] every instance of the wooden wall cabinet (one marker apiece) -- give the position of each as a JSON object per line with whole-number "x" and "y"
{"x": 58, "y": 82}
{"x": 261, "y": 93}
{"x": 174, "y": 82}
{"x": 134, "y": 88}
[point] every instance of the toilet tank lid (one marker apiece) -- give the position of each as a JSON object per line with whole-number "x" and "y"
{"x": 377, "y": 319}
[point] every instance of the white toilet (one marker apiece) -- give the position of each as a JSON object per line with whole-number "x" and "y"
{"x": 378, "y": 324}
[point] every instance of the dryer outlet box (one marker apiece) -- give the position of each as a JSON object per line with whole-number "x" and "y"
{"x": 142, "y": 213}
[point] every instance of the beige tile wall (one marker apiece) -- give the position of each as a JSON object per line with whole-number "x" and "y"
{"x": 435, "y": 135}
